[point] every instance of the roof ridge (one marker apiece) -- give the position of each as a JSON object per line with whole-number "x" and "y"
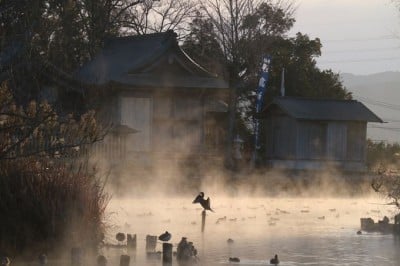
{"x": 312, "y": 99}
{"x": 314, "y": 109}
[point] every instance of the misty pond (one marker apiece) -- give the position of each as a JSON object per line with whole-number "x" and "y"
{"x": 302, "y": 231}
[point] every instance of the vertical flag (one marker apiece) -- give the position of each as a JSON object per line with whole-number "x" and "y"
{"x": 283, "y": 82}
{"x": 262, "y": 85}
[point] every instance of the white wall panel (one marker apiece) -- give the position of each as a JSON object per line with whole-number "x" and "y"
{"x": 136, "y": 113}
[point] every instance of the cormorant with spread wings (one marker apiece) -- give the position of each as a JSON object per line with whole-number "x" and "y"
{"x": 205, "y": 203}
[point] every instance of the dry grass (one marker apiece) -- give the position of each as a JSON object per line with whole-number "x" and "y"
{"x": 45, "y": 205}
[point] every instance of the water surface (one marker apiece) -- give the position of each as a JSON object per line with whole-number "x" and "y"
{"x": 302, "y": 231}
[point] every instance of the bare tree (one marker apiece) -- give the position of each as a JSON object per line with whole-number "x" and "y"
{"x": 157, "y": 16}
{"x": 244, "y": 29}
{"x": 103, "y": 18}
{"x": 387, "y": 184}
{"x": 237, "y": 20}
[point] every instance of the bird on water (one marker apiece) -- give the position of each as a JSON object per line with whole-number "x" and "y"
{"x": 274, "y": 260}
{"x": 205, "y": 203}
{"x": 120, "y": 237}
{"x": 165, "y": 236}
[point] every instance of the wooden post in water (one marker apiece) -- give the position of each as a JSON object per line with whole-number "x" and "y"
{"x": 124, "y": 260}
{"x": 167, "y": 253}
{"x": 151, "y": 243}
{"x": 101, "y": 260}
{"x": 203, "y": 220}
{"x": 76, "y": 257}
{"x": 42, "y": 259}
{"x": 131, "y": 241}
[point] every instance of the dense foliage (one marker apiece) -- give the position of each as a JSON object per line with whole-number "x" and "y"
{"x": 383, "y": 155}
{"x": 43, "y": 42}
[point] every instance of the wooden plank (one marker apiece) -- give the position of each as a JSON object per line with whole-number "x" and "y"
{"x": 137, "y": 114}
{"x": 336, "y": 140}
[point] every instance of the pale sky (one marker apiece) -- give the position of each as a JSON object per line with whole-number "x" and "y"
{"x": 358, "y": 36}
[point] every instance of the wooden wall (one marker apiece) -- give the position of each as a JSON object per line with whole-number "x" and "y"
{"x": 356, "y": 141}
{"x": 170, "y": 122}
{"x": 177, "y": 123}
{"x": 311, "y": 140}
{"x": 288, "y": 139}
{"x": 281, "y": 133}
{"x": 136, "y": 112}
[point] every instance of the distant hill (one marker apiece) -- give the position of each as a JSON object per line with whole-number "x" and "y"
{"x": 380, "y": 92}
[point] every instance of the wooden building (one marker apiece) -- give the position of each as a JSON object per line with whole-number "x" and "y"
{"x": 148, "y": 84}
{"x": 305, "y": 134}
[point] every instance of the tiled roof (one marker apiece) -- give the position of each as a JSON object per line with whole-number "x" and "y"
{"x": 318, "y": 109}
{"x": 124, "y": 60}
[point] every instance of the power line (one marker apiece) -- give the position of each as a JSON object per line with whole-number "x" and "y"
{"x": 359, "y": 60}
{"x": 342, "y": 22}
{"x": 362, "y": 50}
{"x": 379, "y": 38}
{"x": 379, "y": 103}
{"x": 396, "y": 129}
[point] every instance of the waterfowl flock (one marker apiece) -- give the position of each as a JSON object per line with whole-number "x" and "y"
{"x": 224, "y": 219}
{"x": 275, "y": 217}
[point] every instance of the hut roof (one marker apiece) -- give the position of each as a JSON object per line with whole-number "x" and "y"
{"x": 321, "y": 109}
{"x": 151, "y": 60}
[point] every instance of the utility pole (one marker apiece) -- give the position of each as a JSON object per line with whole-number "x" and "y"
{"x": 229, "y": 162}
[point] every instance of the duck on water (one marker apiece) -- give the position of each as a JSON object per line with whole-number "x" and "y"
{"x": 165, "y": 236}
{"x": 274, "y": 260}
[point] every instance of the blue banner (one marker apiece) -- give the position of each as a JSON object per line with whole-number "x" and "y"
{"x": 262, "y": 86}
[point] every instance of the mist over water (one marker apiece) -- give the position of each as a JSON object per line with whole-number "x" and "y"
{"x": 302, "y": 231}
{"x": 308, "y": 218}
{"x": 305, "y": 218}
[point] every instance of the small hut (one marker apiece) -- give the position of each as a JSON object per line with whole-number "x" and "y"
{"x": 311, "y": 134}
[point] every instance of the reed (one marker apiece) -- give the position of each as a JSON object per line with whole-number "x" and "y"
{"x": 46, "y": 204}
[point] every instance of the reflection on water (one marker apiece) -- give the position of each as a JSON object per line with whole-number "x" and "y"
{"x": 301, "y": 231}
